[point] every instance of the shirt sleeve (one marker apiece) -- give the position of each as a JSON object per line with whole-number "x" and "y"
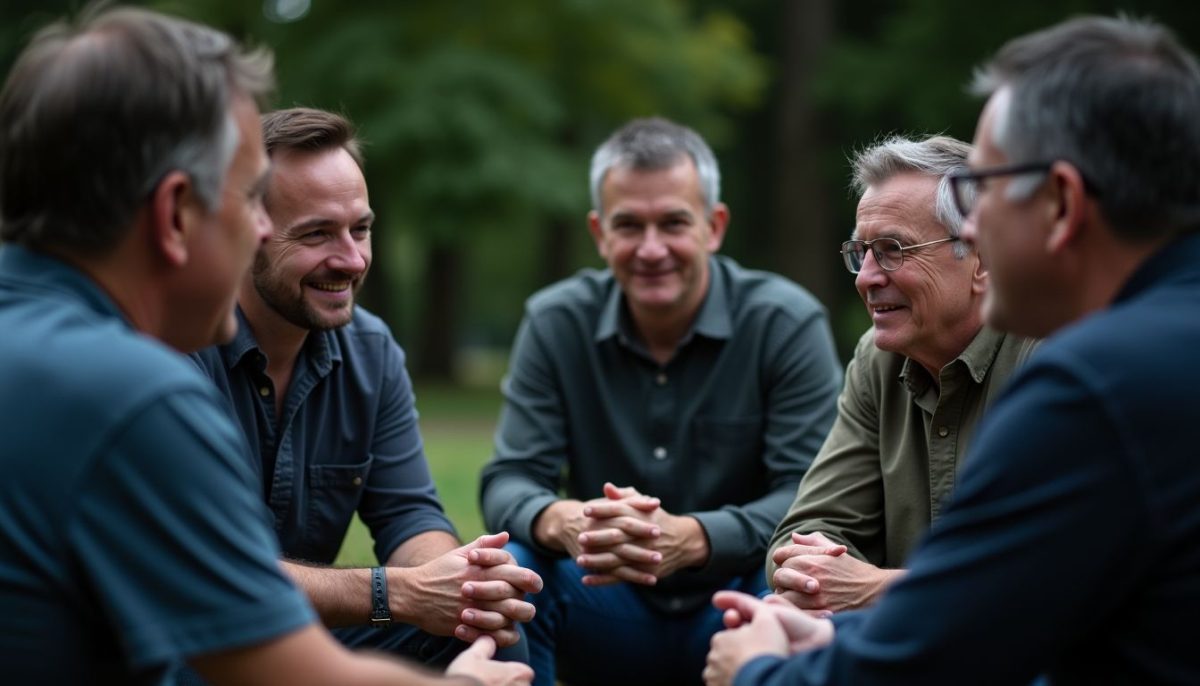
{"x": 172, "y": 536}
{"x": 400, "y": 499}
{"x": 803, "y": 379}
{"x": 842, "y": 494}
{"x": 1052, "y": 486}
{"x": 525, "y": 473}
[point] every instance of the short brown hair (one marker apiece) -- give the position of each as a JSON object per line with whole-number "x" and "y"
{"x": 312, "y": 130}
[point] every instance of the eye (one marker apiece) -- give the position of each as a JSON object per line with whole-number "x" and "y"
{"x": 361, "y": 230}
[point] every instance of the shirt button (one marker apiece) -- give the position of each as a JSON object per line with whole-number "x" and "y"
{"x": 660, "y": 453}
{"x": 661, "y": 379}
{"x": 264, "y": 391}
{"x": 943, "y": 432}
{"x": 357, "y": 481}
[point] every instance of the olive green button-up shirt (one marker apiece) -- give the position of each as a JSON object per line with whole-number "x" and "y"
{"x": 890, "y": 460}
{"x": 722, "y": 432}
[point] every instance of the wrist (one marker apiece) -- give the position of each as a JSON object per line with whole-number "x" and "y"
{"x": 696, "y": 548}
{"x": 549, "y": 528}
{"x": 400, "y": 595}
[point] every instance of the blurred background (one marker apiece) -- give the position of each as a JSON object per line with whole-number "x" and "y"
{"x": 480, "y": 117}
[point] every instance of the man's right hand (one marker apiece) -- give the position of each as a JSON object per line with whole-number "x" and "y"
{"x": 476, "y": 662}
{"x": 817, "y": 575}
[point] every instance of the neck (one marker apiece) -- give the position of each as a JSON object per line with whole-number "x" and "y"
{"x": 934, "y": 361}
{"x": 279, "y": 339}
{"x": 134, "y": 286}
{"x": 1103, "y": 270}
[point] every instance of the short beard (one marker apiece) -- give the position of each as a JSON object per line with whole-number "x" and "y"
{"x": 292, "y": 306}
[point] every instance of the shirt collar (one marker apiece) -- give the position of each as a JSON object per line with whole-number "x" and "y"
{"x": 713, "y": 320}
{"x": 46, "y": 272}
{"x": 320, "y": 348}
{"x": 977, "y": 357}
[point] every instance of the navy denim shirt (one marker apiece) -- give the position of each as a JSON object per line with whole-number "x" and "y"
{"x": 348, "y": 438}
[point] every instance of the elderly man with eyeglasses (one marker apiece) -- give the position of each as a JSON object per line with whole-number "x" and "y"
{"x": 919, "y": 381}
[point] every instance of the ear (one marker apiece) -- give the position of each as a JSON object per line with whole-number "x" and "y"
{"x": 717, "y": 225}
{"x": 1069, "y": 207}
{"x": 597, "y": 230}
{"x": 173, "y": 207}
{"x": 979, "y": 279}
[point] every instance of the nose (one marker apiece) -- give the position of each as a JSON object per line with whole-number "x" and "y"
{"x": 652, "y": 247}
{"x": 871, "y": 275}
{"x": 969, "y": 230}
{"x": 347, "y": 254}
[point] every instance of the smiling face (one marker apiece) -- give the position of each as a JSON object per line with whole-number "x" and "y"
{"x": 656, "y": 238}
{"x": 316, "y": 261}
{"x": 927, "y": 309}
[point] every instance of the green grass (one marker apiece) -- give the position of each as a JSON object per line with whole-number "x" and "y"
{"x": 457, "y": 425}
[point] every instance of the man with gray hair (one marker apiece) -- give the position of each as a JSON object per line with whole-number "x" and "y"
{"x": 132, "y": 173}
{"x": 677, "y": 398}
{"x": 920, "y": 379}
{"x": 1071, "y": 545}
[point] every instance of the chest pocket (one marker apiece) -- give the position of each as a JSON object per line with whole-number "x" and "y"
{"x": 334, "y": 491}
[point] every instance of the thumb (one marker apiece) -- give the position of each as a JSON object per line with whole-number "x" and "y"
{"x": 483, "y": 648}
{"x": 486, "y": 541}
{"x": 614, "y": 492}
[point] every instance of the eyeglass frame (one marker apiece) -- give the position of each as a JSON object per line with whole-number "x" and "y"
{"x": 958, "y": 181}
{"x": 870, "y": 245}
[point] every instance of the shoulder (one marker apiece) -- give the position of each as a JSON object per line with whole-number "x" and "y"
{"x": 754, "y": 292}
{"x": 367, "y": 339}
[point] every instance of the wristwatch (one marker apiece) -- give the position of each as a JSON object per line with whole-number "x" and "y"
{"x": 381, "y": 614}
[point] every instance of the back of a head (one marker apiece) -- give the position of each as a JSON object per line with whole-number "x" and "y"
{"x": 651, "y": 144}
{"x": 1120, "y": 100}
{"x": 95, "y": 113}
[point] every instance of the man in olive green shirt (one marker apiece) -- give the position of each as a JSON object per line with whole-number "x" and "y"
{"x": 919, "y": 382}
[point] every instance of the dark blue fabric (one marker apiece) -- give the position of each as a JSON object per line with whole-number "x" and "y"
{"x": 131, "y": 536}
{"x": 608, "y": 635}
{"x": 1072, "y": 544}
{"x": 348, "y": 439}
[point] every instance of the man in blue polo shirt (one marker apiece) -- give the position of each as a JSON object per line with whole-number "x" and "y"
{"x": 1071, "y": 546}
{"x": 131, "y": 179}
{"x": 319, "y": 387}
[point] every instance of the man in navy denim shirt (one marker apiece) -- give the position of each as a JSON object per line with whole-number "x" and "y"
{"x": 1071, "y": 546}
{"x": 320, "y": 389}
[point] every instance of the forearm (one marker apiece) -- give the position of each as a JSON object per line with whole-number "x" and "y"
{"x": 422, "y": 548}
{"x": 343, "y": 597}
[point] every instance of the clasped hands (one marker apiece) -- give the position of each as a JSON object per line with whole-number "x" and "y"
{"x": 817, "y": 575}
{"x": 471, "y": 591}
{"x": 628, "y": 536}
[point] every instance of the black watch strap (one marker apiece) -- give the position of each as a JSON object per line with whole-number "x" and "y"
{"x": 381, "y": 614}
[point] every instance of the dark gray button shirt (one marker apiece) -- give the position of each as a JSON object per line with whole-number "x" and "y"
{"x": 722, "y": 432}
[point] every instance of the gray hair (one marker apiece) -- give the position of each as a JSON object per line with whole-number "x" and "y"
{"x": 95, "y": 113}
{"x": 1117, "y": 98}
{"x": 652, "y": 144}
{"x": 936, "y": 156}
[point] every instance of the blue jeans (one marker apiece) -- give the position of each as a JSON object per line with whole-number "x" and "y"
{"x": 608, "y": 635}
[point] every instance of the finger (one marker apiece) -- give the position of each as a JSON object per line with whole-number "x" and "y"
{"x": 637, "y": 555}
{"x": 524, "y": 580}
{"x": 489, "y": 557}
{"x": 501, "y": 639}
{"x": 599, "y": 580}
{"x": 515, "y": 609}
{"x": 819, "y": 541}
{"x": 599, "y": 562}
{"x": 482, "y": 647}
{"x": 614, "y": 492}
{"x": 746, "y": 605}
{"x": 630, "y": 507}
{"x": 602, "y": 537}
{"x": 487, "y": 541}
{"x": 484, "y": 619}
{"x": 636, "y": 527}
{"x": 624, "y": 573}
{"x": 732, "y": 619}
{"x": 792, "y": 580}
{"x": 787, "y": 552}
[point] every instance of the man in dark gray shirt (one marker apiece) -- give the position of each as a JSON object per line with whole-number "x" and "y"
{"x": 677, "y": 399}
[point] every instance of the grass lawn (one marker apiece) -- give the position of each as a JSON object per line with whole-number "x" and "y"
{"x": 457, "y": 425}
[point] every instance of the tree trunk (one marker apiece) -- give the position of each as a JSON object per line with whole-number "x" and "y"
{"x": 439, "y": 321}
{"x": 806, "y": 244}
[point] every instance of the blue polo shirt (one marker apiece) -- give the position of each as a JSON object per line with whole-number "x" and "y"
{"x": 1071, "y": 546}
{"x": 131, "y": 537}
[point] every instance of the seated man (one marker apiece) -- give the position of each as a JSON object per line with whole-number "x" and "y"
{"x": 319, "y": 388}
{"x": 1071, "y": 546}
{"x": 919, "y": 381}
{"x": 131, "y": 538}
{"x": 677, "y": 398}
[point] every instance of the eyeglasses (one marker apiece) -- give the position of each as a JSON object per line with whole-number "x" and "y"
{"x": 965, "y": 186}
{"x": 888, "y": 252}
